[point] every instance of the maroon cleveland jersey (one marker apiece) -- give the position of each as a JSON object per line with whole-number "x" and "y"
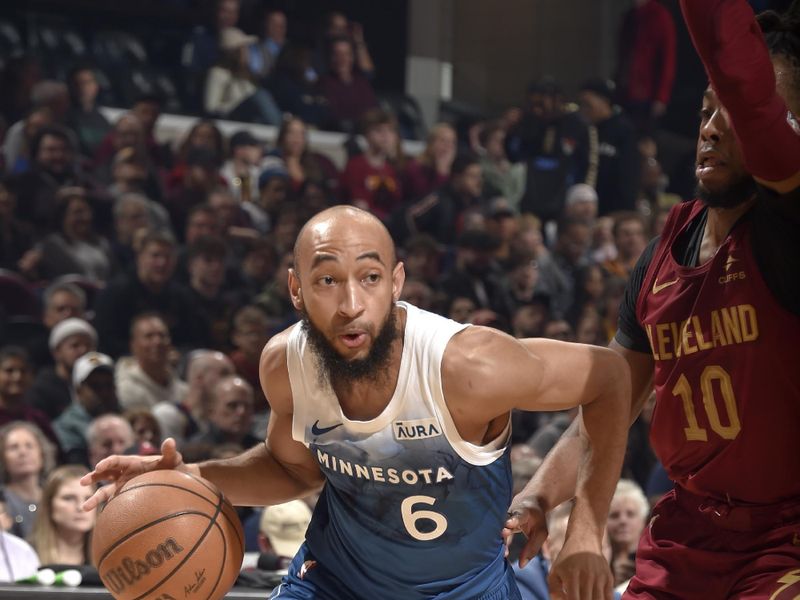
{"x": 727, "y": 374}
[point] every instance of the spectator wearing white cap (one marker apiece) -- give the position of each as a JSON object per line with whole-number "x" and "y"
{"x": 51, "y": 391}
{"x": 95, "y": 394}
{"x": 230, "y": 92}
{"x": 282, "y": 530}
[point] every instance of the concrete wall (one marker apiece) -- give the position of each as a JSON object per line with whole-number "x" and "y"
{"x": 499, "y": 46}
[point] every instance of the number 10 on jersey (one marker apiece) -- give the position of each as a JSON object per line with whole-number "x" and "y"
{"x": 710, "y": 374}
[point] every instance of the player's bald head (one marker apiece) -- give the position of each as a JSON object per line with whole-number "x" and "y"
{"x": 346, "y": 222}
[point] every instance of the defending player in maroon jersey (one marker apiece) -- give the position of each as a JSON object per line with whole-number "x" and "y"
{"x": 711, "y": 319}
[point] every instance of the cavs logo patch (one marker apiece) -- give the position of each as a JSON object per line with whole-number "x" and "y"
{"x": 790, "y": 588}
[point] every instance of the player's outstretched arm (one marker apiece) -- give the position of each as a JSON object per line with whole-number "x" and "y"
{"x": 280, "y": 469}
{"x": 486, "y": 374}
{"x": 555, "y": 480}
{"x": 276, "y": 471}
{"x": 732, "y": 48}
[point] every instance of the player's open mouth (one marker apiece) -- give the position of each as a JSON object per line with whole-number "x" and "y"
{"x": 706, "y": 163}
{"x": 353, "y": 340}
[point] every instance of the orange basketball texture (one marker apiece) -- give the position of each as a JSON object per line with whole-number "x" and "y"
{"x": 168, "y": 535}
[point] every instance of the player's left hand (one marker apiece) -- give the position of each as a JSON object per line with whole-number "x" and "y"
{"x": 525, "y": 515}
{"x": 580, "y": 573}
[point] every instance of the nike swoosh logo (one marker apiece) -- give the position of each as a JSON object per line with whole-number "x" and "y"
{"x": 317, "y": 430}
{"x": 657, "y": 288}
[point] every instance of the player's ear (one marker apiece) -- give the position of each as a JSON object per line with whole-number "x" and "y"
{"x": 398, "y": 279}
{"x": 295, "y": 292}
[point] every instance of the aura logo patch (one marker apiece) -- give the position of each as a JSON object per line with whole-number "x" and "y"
{"x": 416, "y": 429}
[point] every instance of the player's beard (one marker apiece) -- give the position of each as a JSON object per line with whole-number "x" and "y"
{"x": 338, "y": 370}
{"x": 734, "y": 194}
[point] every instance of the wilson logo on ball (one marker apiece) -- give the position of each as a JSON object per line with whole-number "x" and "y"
{"x": 132, "y": 570}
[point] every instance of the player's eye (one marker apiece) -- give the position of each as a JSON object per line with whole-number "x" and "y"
{"x": 327, "y": 280}
{"x": 705, "y": 114}
{"x": 373, "y": 278}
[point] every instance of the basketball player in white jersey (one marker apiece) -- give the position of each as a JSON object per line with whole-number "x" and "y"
{"x": 402, "y": 418}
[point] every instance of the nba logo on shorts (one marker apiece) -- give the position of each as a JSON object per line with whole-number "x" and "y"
{"x": 416, "y": 429}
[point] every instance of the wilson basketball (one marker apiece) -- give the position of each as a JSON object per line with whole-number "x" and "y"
{"x": 168, "y": 535}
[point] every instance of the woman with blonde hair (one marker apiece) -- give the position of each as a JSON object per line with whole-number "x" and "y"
{"x": 26, "y": 458}
{"x": 62, "y": 532}
{"x": 431, "y": 170}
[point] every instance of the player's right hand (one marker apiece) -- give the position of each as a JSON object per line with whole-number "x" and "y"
{"x": 526, "y": 516}
{"x": 117, "y": 470}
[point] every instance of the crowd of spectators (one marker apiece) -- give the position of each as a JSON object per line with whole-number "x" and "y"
{"x": 140, "y": 280}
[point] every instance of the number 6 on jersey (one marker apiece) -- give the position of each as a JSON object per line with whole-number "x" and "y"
{"x": 410, "y": 518}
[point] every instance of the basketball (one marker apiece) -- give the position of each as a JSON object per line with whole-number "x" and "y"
{"x": 168, "y": 535}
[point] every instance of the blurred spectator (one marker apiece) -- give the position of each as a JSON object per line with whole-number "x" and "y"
{"x": 274, "y": 299}
{"x": 302, "y": 163}
{"x": 646, "y": 62}
{"x": 146, "y": 431}
{"x": 241, "y": 170}
{"x": 581, "y": 202}
{"x": 236, "y": 227}
{"x": 500, "y": 177}
{"x": 627, "y": 518}
{"x": 204, "y": 369}
{"x": 257, "y": 268}
{"x": 49, "y": 95}
{"x": 150, "y": 287}
{"x": 146, "y": 378}
{"x": 432, "y": 169}
{"x": 528, "y": 320}
{"x": 128, "y": 143}
{"x": 51, "y": 391}
{"x": 15, "y": 236}
{"x": 422, "y": 258}
{"x": 19, "y": 558}
{"x": 249, "y": 336}
{"x": 84, "y": 118}
{"x": 230, "y": 414}
{"x": 203, "y": 134}
{"x": 74, "y": 247}
{"x": 557, "y": 271}
{"x": 589, "y": 290}
{"x": 264, "y": 52}
{"x": 273, "y": 189}
{"x": 282, "y": 530}
{"x": 477, "y": 275}
{"x": 202, "y": 221}
{"x": 26, "y": 459}
{"x": 95, "y": 394}
{"x": 199, "y": 177}
{"x": 369, "y": 180}
{"x": 295, "y": 87}
{"x": 204, "y": 46}
{"x": 418, "y": 293}
{"x": 460, "y": 309}
{"x": 603, "y": 248}
{"x": 62, "y": 532}
{"x": 52, "y": 168}
{"x": 133, "y": 213}
{"x": 147, "y": 108}
{"x": 501, "y": 221}
{"x": 441, "y": 214}
{"x": 349, "y": 93}
{"x": 522, "y": 277}
{"x": 132, "y": 173}
{"x": 60, "y": 300}
{"x": 108, "y": 435}
{"x": 205, "y": 262}
{"x": 552, "y": 427}
{"x": 618, "y": 162}
{"x": 338, "y": 26}
{"x": 18, "y": 139}
{"x": 630, "y": 241}
{"x": 552, "y": 139}
{"x": 230, "y": 93}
